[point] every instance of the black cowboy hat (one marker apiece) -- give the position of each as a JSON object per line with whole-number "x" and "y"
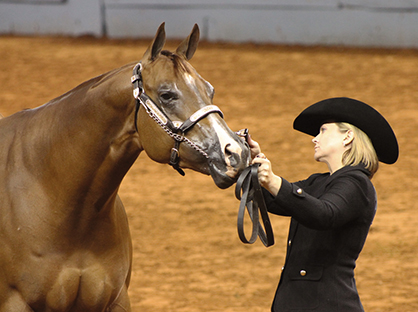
{"x": 356, "y": 113}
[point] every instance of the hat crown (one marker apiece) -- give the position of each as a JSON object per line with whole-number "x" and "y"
{"x": 357, "y": 113}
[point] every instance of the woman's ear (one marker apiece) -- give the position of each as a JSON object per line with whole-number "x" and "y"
{"x": 349, "y": 137}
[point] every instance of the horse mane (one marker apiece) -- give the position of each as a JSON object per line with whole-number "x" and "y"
{"x": 92, "y": 83}
{"x": 104, "y": 77}
{"x": 177, "y": 60}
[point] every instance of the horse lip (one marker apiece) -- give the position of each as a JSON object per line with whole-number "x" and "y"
{"x": 221, "y": 179}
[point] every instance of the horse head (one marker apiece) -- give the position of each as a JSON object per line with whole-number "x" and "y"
{"x": 177, "y": 122}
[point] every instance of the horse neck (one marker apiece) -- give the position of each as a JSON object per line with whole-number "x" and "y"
{"x": 85, "y": 142}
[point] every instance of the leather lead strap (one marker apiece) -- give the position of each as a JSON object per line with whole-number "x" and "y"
{"x": 249, "y": 192}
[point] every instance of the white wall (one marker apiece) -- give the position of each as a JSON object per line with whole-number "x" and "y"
{"x": 342, "y": 22}
{"x": 51, "y": 17}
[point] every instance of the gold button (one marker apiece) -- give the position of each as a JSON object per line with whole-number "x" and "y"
{"x": 302, "y": 272}
{"x": 282, "y": 268}
{"x": 290, "y": 242}
{"x": 299, "y": 191}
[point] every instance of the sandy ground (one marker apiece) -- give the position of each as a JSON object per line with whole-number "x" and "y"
{"x": 187, "y": 255}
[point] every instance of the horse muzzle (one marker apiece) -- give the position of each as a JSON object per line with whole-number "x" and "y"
{"x": 236, "y": 157}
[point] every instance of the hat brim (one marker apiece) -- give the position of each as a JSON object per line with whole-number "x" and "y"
{"x": 357, "y": 113}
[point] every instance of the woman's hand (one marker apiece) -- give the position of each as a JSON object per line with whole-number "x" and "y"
{"x": 254, "y": 146}
{"x": 266, "y": 177}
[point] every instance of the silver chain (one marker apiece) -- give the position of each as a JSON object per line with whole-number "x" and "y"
{"x": 175, "y": 136}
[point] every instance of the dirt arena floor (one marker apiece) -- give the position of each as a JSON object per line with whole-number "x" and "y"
{"x": 187, "y": 254}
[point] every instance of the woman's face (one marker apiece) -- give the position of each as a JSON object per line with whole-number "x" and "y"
{"x": 329, "y": 145}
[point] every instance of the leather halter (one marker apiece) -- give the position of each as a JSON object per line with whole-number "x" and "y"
{"x": 175, "y": 129}
{"x": 252, "y": 199}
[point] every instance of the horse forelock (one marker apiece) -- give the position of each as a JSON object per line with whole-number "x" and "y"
{"x": 178, "y": 62}
{"x": 186, "y": 71}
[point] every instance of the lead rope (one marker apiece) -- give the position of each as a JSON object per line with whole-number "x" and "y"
{"x": 249, "y": 192}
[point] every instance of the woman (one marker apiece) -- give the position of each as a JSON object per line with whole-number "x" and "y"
{"x": 330, "y": 213}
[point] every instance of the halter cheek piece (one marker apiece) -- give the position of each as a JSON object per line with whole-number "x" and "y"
{"x": 175, "y": 129}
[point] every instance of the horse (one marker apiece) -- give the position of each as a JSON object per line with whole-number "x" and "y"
{"x": 64, "y": 235}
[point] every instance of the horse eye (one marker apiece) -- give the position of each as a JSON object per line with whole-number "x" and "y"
{"x": 168, "y": 96}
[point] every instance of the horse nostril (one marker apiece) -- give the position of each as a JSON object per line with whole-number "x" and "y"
{"x": 227, "y": 151}
{"x": 231, "y": 156}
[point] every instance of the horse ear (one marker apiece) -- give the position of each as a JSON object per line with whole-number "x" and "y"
{"x": 188, "y": 47}
{"x": 156, "y": 45}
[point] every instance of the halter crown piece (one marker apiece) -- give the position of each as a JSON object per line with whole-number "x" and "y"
{"x": 175, "y": 129}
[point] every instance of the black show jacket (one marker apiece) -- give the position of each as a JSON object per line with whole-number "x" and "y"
{"x": 330, "y": 219}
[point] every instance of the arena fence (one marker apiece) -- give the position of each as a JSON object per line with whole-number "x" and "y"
{"x": 311, "y": 22}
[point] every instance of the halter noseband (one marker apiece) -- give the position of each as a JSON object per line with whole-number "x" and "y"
{"x": 175, "y": 129}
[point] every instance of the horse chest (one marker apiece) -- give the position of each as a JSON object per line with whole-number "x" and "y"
{"x": 93, "y": 288}
{"x": 80, "y": 282}
{"x": 54, "y": 273}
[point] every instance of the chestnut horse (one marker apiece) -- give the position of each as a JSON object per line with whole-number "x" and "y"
{"x": 65, "y": 243}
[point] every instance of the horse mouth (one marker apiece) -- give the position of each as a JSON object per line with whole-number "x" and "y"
{"x": 220, "y": 177}
{"x": 225, "y": 173}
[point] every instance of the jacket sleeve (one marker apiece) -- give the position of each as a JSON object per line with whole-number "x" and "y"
{"x": 345, "y": 199}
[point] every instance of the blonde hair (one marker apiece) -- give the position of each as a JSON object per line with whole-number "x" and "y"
{"x": 361, "y": 151}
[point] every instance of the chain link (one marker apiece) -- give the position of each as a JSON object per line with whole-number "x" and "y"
{"x": 175, "y": 136}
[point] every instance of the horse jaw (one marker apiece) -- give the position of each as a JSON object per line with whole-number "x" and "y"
{"x": 221, "y": 179}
